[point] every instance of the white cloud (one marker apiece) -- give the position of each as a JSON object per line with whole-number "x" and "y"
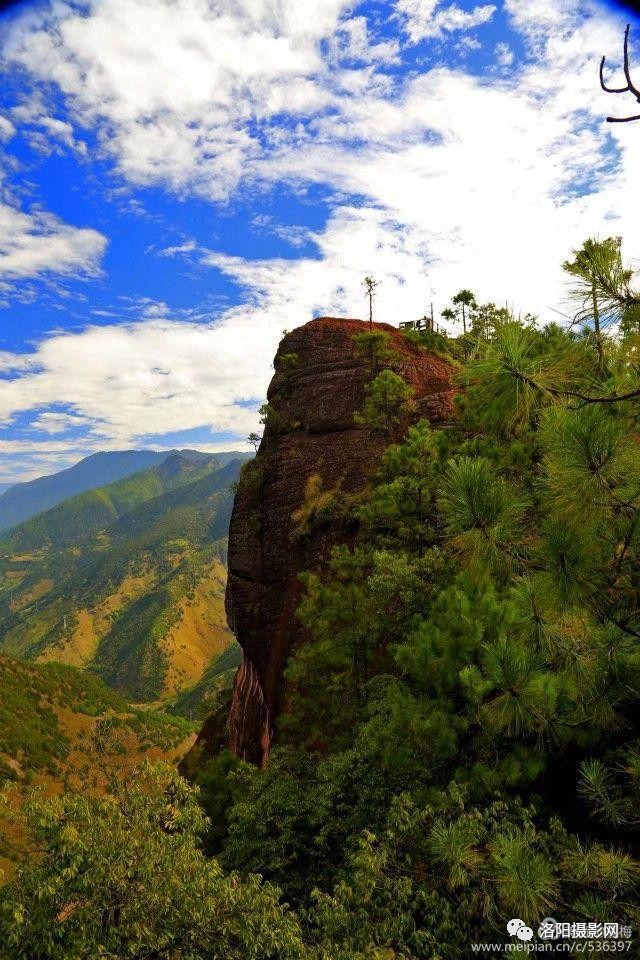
{"x": 461, "y": 181}
{"x": 180, "y": 248}
{"x": 504, "y": 54}
{"x": 538, "y": 18}
{"x": 26, "y": 447}
{"x": 145, "y": 378}
{"x": 353, "y": 42}
{"x": 494, "y": 181}
{"x": 466, "y": 43}
{"x": 14, "y": 362}
{"x": 37, "y": 242}
{"x": 55, "y": 423}
{"x": 174, "y": 85}
{"x": 7, "y": 129}
{"x": 63, "y": 131}
{"x": 429, "y": 18}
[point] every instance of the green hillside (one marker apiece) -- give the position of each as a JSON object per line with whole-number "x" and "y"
{"x": 20, "y": 501}
{"x": 76, "y": 519}
{"x": 213, "y": 687}
{"x": 46, "y": 708}
{"x": 55, "y": 722}
{"x": 126, "y": 581}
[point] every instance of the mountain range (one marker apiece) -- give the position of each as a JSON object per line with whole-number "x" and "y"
{"x": 23, "y": 500}
{"x": 50, "y": 717}
{"x": 127, "y": 580}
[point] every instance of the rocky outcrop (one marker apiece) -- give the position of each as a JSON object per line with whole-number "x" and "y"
{"x": 318, "y": 386}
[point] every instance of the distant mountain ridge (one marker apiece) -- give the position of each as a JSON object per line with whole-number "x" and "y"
{"x": 126, "y": 581}
{"x": 24, "y": 500}
{"x": 78, "y": 518}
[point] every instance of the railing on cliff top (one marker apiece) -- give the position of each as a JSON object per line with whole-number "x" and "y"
{"x": 423, "y": 324}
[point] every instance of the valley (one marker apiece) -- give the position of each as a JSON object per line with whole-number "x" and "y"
{"x": 126, "y": 581}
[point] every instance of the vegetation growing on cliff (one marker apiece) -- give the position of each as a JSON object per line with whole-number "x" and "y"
{"x": 47, "y": 709}
{"x": 460, "y": 741}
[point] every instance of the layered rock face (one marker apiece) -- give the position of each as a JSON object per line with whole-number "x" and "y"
{"x": 318, "y": 387}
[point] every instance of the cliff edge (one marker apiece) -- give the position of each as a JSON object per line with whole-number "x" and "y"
{"x": 318, "y": 387}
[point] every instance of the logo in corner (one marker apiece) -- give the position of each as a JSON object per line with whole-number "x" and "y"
{"x": 518, "y": 928}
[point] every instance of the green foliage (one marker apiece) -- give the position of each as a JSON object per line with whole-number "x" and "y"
{"x": 123, "y": 875}
{"x": 602, "y": 288}
{"x": 286, "y": 362}
{"x": 374, "y": 346}
{"x": 319, "y": 508}
{"x": 271, "y": 417}
{"x": 481, "y": 630}
{"x": 388, "y": 400}
{"x": 370, "y": 284}
{"x": 430, "y": 340}
{"x": 170, "y": 540}
{"x": 30, "y": 696}
{"x": 458, "y": 741}
{"x": 36, "y": 699}
{"x": 76, "y": 520}
{"x": 613, "y": 790}
{"x": 514, "y": 373}
{"x": 590, "y": 457}
{"x": 483, "y": 514}
{"x": 402, "y": 501}
{"x": 436, "y": 875}
{"x": 464, "y": 302}
{"x": 486, "y": 319}
{"x": 213, "y": 687}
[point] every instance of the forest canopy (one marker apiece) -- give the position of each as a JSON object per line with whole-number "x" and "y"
{"x": 461, "y": 742}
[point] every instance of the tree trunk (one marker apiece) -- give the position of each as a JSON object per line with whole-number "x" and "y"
{"x": 596, "y": 324}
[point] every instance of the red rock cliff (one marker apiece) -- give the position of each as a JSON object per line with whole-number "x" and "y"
{"x": 315, "y": 394}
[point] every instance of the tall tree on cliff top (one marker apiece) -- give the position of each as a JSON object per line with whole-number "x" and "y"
{"x": 464, "y": 298}
{"x": 370, "y": 283}
{"x": 448, "y": 314}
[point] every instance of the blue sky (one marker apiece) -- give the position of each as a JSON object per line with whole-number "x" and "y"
{"x": 181, "y": 181}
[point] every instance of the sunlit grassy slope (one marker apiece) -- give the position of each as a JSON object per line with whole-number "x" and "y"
{"x": 48, "y": 710}
{"x": 49, "y": 715}
{"x": 126, "y": 581}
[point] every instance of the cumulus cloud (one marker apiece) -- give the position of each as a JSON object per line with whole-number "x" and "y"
{"x": 494, "y": 183}
{"x": 431, "y": 18}
{"x": 504, "y": 54}
{"x": 352, "y": 41}
{"x": 460, "y": 180}
{"x": 56, "y": 423}
{"x": 175, "y": 86}
{"x": 37, "y": 242}
{"x": 142, "y": 379}
{"x": 538, "y": 18}
{"x": 7, "y": 129}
